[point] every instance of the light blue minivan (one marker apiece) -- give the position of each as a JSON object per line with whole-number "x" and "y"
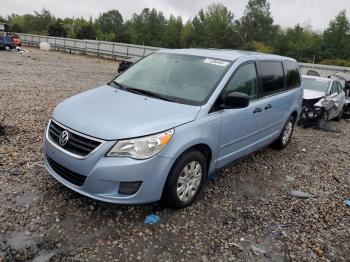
{"x": 161, "y": 127}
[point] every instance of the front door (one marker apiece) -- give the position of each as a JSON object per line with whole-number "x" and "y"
{"x": 240, "y": 132}
{"x": 338, "y": 97}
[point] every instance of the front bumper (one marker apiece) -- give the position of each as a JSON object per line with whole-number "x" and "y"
{"x": 310, "y": 115}
{"x": 104, "y": 174}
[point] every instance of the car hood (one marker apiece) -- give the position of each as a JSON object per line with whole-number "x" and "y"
{"x": 110, "y": 114}
{"x": 311, "y": 94}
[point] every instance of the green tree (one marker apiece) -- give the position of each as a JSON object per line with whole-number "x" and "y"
{"x": 147, "y": 28}
{"x": 219, "y": 23}
{"x": 77, "y": 25}
{"x": 187, "y": 34}
{"x": 15, "y": 21}
{"x": 301, "y": 44}
{"x": 214, "y": 28}
{"x": 172, "y": 33}
{"x": 35, "y": 24}
{"x": 67, "y": 24}
{"x": 336, "y": 38}
{"x": 110, "y": 25}
{"x": 16, "y": 28}
{"x": 85, "y": 30}
{"x": 200, "y": 38}
{"x": 2, "y": 19}
{"x": 57, "y": 29}
{"x": 260, "y": 47}
{"x": 257, "y": 23}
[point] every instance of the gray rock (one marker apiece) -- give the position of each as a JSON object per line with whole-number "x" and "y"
{"x": 300, "y": 194}
{"x": 257, "y": 250}
{"x": 290, "y": 178}
{"x": 205, "y": 258}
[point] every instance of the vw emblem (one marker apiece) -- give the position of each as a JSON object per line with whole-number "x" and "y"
{"x": 63, "y": 139}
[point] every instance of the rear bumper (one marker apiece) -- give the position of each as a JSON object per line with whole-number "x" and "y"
{"x": 103, "y": 175}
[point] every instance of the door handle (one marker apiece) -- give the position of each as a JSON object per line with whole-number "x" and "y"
{"x": 269, "y": 106}
{"x": 257, "y": 110}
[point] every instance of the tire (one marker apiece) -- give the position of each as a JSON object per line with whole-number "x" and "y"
{"x": 179, "y": 188}
{"x": 322, "y": 121}
{"x": 340, "y": 116}
{"x": 286, "y": 134}
{"x": 7, "y": 48}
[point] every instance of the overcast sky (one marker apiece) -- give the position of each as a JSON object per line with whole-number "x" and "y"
{"x": 285, "y": 12}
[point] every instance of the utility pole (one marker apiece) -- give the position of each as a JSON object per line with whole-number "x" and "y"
{"x": 73, "y": 26}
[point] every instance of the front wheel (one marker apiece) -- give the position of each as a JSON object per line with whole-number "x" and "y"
{"x": 285, "y": 135}
{"x": 185, "y": 180}
{"x": 339, "y": 117}
{"x": 7, "y": 48}
{"x": 322, "y": 121}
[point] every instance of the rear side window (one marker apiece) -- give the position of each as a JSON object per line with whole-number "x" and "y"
{"x": 271, "y": 74}
{"x": 291, "y": 73}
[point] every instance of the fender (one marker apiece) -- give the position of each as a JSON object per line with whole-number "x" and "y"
{"x": 201, "y": 131}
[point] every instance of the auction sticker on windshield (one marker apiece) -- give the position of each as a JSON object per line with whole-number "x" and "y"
{"x": 215, "y": 62}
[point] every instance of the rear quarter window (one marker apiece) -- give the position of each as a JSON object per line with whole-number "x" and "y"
{"x": 292, "y": 75}
{"x": 271, "y": 75}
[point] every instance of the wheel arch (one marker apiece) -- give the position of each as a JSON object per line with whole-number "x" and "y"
{"x": 295, "y": 115}
{"x": 204, "y": 148}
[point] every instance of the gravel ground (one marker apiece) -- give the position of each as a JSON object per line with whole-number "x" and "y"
{"x": 246, "y": 215}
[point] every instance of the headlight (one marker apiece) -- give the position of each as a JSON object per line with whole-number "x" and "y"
{"x": 142, "y": 147}
{"x": 311, "y": 114}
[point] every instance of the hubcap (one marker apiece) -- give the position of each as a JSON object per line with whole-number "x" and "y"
{"x": 287, "y": 132}
{"x": 189, "y": 181}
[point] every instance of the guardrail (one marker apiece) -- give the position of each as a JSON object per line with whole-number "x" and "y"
{"x": 123, "y": 51}
{"x": 99, "y": 48}
{"x": 323, "y": 70}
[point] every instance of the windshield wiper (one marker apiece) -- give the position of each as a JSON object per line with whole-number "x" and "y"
{"x": 120, "y": 86}
{"x": 141, "y": 91}
{"x": 147, "y": 93}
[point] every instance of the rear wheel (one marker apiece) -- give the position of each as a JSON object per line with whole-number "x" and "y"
{"x": 7, "y": 48}
{"x": 285, "y": 135}
{"x": 185, "y": 180}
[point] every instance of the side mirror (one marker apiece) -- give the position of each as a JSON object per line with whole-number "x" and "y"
{"x": 235, "y": 100}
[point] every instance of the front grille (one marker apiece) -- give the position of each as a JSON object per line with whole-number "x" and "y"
{"x": 310, "y": 102}
{"x": 76, "y": 144}
{"x": 70, "y": 176}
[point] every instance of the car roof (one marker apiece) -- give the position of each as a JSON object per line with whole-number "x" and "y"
{"x": 318, "y": 78}
{"x": 224, "y": 54}
{"x": 342, "y": 76}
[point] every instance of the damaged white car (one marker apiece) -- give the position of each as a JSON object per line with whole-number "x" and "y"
{"x": 323, "y": 100}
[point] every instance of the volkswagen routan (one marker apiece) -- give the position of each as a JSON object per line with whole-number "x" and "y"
{"x": 160, "y": 128}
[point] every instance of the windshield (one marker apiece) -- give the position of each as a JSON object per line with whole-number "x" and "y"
{"x": 316, "y": 84}
{"x": 179, "y": 78}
